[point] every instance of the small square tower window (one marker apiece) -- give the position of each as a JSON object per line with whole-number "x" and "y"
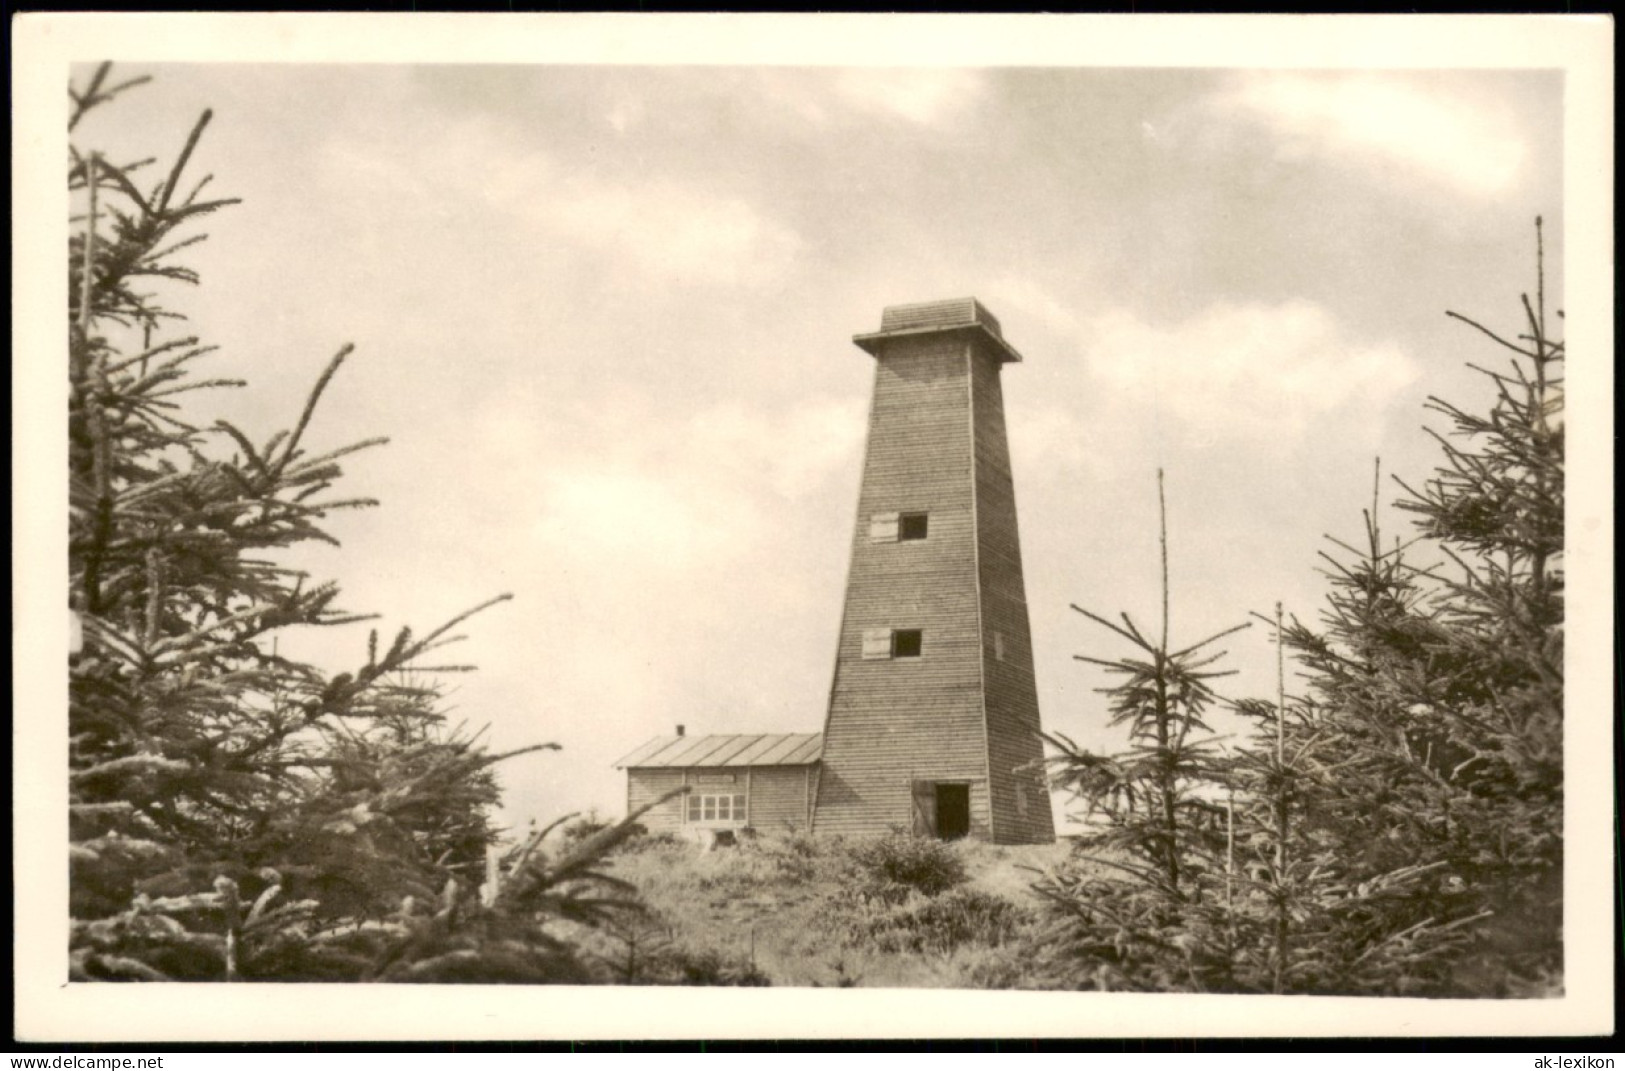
{"x": 906, "y": 642}
{"x": 912, "y": 526}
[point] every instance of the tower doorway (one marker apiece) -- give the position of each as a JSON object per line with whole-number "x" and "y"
{"x": 953, "y": 811}
{"x": 941, "y": 809}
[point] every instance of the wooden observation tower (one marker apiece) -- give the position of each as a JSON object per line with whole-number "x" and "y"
{"x": 933, "y": 712}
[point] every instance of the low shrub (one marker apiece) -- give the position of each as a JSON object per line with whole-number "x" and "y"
{"x": 795, "y": 857}
{"x": 579, "y": 829}
{"x": 644, "y": 841}
{"x": 704, "y": 966}
{"x": 960, "y": 917}
{"x": 898, "y": 864}
{"x": 1007, "y": 966}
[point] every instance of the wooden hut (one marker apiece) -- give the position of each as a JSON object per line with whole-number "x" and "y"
{"x": 761, "y": 781}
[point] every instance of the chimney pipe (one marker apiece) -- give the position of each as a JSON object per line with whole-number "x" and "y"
{"x": 679, "y": 730}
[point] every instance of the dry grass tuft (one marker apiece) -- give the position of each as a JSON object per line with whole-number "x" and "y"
{"x": 835, "y": 913}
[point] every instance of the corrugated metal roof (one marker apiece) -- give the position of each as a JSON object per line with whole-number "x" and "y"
{"x": 770, "y": 749}
{"x": 657, "y": 744}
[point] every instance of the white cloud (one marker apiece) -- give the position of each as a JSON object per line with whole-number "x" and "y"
{"x": 1448, "y": 138}
{"x": 1030, "y": 299}
{"x": 926, "y": 97}
{"x": 703, "y": 490}
{"x": 784, "y": 452}
{"x": 1247, "y": 370}
{"x": 627, "y": 112}
{"x": 1058, "y": 437}
{"x": 1236, "y": 372}
{"x": 604, "y": 516}
{"x": 662, "y": 228}
{"x": 929, "y": 97}
{"x": 671, "y": 232}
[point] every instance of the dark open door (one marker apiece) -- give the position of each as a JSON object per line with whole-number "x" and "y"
{"x": 953, "y": 811}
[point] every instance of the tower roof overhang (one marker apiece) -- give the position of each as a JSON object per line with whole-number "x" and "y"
{"x": 958, "y": 316}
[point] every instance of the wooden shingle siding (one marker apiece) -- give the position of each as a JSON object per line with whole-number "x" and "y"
{"x": 778, "y": 799}
{"x": 965, "y": 710}
{"x": 645, "y": 786}
{"x": 894, "y": 721}
{"x": 1014, "y": 747}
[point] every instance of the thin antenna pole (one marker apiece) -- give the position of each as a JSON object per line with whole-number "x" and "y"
{"x": 1280, "y": 690}
{"x": 1376, "y": 493}
{"x": 1162, "y": 524}
{"x": 1169, "y": 816}
{"x": 1540, "y": 283}
{"x": 1541, "y": 353}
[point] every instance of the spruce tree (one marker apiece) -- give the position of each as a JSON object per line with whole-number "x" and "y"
{"x": 1396, "y": 828}
{"x": 236, "y": 813}
{"x": 1320, "y": 909}
{"x": 1137, "y": 909}
{"x": 1443, "y": 681}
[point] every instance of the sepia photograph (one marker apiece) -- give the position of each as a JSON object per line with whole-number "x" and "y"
{"x": 1052, "y": 521}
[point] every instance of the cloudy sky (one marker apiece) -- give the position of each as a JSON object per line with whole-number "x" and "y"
{"x": 604, "y": 315}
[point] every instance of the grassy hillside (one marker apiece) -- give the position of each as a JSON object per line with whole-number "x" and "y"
{"x": 789, "y": 910}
